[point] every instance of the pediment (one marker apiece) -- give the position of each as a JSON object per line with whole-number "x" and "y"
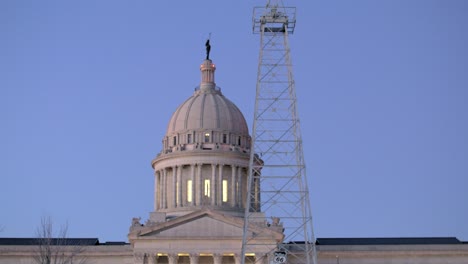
{"x": 205, "y": 226}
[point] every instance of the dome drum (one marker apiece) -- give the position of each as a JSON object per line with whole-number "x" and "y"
{"x": 184, "y": 188}
{"x": 206, "y": 140}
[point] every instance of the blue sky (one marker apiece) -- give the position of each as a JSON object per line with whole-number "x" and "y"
{"x": 87, "y": 89}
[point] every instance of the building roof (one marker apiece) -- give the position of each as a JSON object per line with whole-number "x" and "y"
{"x": 390, "y": 241}
{"x": 17, "y": 241}
{"x": 26, "y": 241}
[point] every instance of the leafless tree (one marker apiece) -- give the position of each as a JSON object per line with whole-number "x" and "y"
{"x": 56, "y": 248}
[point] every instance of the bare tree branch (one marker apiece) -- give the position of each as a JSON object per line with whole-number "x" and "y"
{"x": 58, "y": 249}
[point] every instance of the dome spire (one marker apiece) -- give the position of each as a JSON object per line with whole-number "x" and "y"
{"x": 207, "y": 71}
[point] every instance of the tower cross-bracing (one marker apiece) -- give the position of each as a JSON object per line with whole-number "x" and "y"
{"x": 277, "y": 169}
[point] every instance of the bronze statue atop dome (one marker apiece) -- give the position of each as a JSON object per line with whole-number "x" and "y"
{"x": 208, "y": 48}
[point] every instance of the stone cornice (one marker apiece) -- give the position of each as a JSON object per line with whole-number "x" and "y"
{"x": 202, "y": 156}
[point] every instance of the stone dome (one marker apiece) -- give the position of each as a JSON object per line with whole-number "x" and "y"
{"x": 207, "y": 110}
{"x": 206, "y": 120}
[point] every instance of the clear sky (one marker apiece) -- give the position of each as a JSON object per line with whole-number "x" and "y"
{"x": 87, "y": 89}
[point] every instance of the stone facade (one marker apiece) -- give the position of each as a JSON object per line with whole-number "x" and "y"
{"x": 329, "y": 254}
{"x": 97, "y": 254}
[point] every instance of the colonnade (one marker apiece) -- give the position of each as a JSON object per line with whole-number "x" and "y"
{"x": 195, "y": 258}
{"x": 189, "y": 185}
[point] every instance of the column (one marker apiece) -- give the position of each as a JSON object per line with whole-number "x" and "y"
{"x": 220, "y": 185}
{"x": 199, "y": 184}
{"x": 179, "y": 186}
{"x": 160, "y": 189}
{"x": 172, "y": 258}
{"x": 157, "y": 193}
{"x": 213, "y": 184}
{"x": 192, "y": 178}
{"x": 217, "y": 258}
{"x": 233, "y": 185}
{"x": 256, "y": 183}
{"x": 240, "y": 201}
{"x": 194, "y": 257}
{"x": 237, "y": 259}
{"x": 173, "y": 187}
{"x": 164, "y": 189}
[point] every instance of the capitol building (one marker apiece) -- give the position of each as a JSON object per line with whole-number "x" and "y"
{"x": 200, "y": 189}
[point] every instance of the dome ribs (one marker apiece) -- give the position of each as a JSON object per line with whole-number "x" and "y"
{"x": 202, "y": 110}
{"x": 217, "y": 110}
{"x": 207, "y": 111}
{"x": 175, "y": 116}
{"x": 228, "y": 120}
{"x": 189, "y": 108}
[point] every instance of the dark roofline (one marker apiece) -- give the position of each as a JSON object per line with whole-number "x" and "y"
{"x": 17, "y": 241}
{"x": 33, "y": 241}
{"x": 26, "y": 241}
{"x": 390, "y": 241}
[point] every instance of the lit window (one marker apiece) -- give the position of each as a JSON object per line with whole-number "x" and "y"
{"x": 207, "y": 137}
{"x": 189, "y": 191}
{"x": 207, "y": 188}
{"x": 189, "y": 138}
{"x": 225, "y": 190}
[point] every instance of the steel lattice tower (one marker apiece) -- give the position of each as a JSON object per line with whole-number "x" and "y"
{"x": 277, "y": 169}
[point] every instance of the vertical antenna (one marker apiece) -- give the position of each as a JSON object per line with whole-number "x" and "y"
{"x": 277, "y": 182}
